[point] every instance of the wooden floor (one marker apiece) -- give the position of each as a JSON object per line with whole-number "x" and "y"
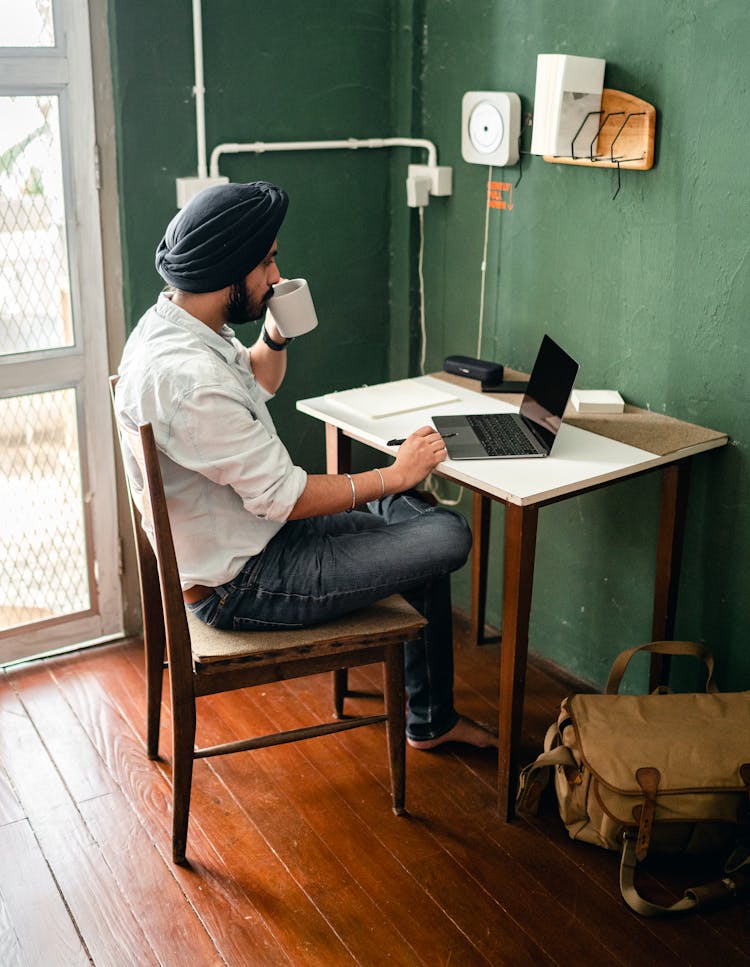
{"x": 295, "y": 855}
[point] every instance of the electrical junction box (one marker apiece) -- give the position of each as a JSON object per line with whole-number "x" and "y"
{"x": 188, "y": 188}
{"x": 490, "y": 127}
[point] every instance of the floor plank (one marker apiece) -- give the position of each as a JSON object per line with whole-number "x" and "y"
{"x": 10, "y": 808}
{"x": 29, "y": 938}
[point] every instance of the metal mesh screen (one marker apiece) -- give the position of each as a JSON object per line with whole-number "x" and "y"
{"x": 43, "y": 563}
{"x": 34, "y": 279}
{"x": 26, "y": 23}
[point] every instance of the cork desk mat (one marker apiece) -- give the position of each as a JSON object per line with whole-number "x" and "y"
{"x": 636, "y": 427}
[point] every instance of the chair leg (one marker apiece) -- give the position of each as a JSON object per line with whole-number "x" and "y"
{"x": 183, "y": 746}
{"x": 154, "y": 660}
{"x": 340, "y": 690}
{"x": 393, "y": 687}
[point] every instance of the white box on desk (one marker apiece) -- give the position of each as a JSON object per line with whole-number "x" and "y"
{"x": 597, "y": 401}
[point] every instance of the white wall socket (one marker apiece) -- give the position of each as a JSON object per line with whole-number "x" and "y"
{"x": 490, "y": 127}
{"x": 425, "y": 180}
{"x": 440, "y": 177}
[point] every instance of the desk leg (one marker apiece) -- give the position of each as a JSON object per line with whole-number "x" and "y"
{"x": 672, "y": 512}
{"x": 338, "y": 460}
{"x": 480, "y": 525}
{"x": 520, "y": 548}
{"x": 338, "y": 451}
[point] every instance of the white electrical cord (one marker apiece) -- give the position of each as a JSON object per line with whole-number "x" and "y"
{"x": 430, "y": 484}
{"x": 484, "y": 264}
{"x": 420, "y": 271}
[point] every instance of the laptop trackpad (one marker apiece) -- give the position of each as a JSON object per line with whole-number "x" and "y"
{"x": 466, "y": 451}
{"x": 462, "y": 442}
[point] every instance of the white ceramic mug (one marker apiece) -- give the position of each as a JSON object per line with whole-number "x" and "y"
{"x": 291, "y": 308}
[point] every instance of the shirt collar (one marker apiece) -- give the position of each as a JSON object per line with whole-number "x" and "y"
{"x": 221, "y": 342}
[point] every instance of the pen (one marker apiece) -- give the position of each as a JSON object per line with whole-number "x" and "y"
{"x": 397, "y": 443}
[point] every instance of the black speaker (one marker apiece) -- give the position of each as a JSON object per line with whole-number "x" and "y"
{"x": 474, "y": 368}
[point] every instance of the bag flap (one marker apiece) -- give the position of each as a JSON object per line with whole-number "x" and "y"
{"x": 696, "y": 741}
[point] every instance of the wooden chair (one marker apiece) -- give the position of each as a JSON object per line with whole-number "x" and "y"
{"x": 203, "y": 661}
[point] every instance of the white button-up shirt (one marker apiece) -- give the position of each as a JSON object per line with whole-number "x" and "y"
{"x": 229, "y": 480}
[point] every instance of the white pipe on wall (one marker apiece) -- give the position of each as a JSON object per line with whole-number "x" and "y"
{"x": 199, "y": 90}
{"x": 351, "y": 143}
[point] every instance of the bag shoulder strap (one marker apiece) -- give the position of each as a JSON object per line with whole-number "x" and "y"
{"x": 534, "y": 777}
{"x": 736, "y": 882}
{"x": 620, "y": 663}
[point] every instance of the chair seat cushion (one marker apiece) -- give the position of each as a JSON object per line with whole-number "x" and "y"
{"x": 386, "y": 620}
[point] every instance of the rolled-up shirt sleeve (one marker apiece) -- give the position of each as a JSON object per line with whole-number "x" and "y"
{"x": 219, "y": 433}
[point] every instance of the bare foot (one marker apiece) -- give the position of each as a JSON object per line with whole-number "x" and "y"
{"x": 466, "y": 731}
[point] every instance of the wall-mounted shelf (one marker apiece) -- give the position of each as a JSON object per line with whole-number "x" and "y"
{"x": 625, "y": 136}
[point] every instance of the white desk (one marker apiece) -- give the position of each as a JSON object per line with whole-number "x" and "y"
{"x": 590, "y": 452}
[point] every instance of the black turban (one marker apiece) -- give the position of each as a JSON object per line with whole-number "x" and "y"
{"x": 221, "y": 235}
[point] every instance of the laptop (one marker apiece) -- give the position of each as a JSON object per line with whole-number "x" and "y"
{"x": 529, "y": 433}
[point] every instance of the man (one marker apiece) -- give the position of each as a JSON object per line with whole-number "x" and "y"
{"x": 260, "y": 543}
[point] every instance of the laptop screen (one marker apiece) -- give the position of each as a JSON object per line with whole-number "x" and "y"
{"x": 549, "y": 388}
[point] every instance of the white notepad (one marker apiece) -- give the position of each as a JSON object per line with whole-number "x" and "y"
{"x": 388, "y": 399}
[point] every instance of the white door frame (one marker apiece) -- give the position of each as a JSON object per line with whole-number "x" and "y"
{"x": 67, "y": 72}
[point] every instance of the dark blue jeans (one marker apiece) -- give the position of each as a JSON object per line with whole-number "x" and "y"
{"x": 320, "y": 568}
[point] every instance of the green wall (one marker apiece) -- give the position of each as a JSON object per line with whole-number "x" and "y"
{"x": 648, "y": 290}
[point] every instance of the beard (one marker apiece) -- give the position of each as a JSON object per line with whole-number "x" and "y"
{"x": 240, "y": 308}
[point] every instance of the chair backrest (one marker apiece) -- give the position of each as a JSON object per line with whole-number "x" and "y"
{"x": 148, "y": 574}
{"x": 160, "y": 579}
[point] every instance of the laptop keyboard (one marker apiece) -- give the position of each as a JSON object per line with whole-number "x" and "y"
{"x": 500, "y": 435}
